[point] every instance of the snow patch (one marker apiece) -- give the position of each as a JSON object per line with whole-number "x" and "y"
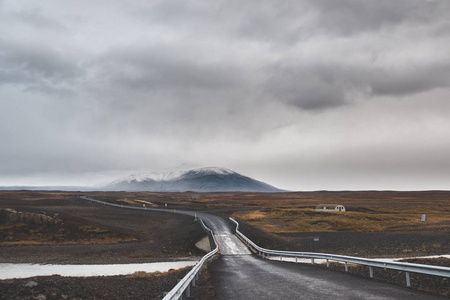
{"x": 171, "y": 175}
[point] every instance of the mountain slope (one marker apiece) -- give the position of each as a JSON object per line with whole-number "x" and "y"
{"x": 198, "y": 180}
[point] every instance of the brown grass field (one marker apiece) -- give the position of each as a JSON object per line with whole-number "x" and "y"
{"x": 284, "y": 219}
{"x": 294, "y": 212}
{"x": 276, "y": 214}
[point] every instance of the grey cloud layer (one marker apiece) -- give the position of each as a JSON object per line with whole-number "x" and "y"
{"x": 166, "y": 76}
{"x": 190, "y": 45}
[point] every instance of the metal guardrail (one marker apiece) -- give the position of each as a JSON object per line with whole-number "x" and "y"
{"x": 371, "y": 263}
{"x": 192, "y": 276}
{"x": 184, "y": 285}
{"x": 126, "y": 206}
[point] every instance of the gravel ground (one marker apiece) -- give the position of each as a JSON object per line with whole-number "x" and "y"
{"x": 154, "y": 236}
{"x": 362, "y": 244}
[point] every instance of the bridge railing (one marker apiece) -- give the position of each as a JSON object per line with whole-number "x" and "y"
{"x": 371, "y": 263}
{"x": 189, "y": 280}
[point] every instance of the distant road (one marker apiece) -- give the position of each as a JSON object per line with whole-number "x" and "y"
{"x": 238, "y": 274}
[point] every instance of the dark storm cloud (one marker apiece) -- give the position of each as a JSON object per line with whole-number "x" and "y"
{"x": 307, "y": 84}
{"x": 327, "y": 86}
{"x": 409, "y": 80}
{"x": 355, "y": 17}
{"x": 288, "y": 22}
{"x": 306, "y": 87}
{"x": 316, "y": 83}
{"x": 163, "y": 68}
{"x": 35, "y": 66}
{"x": 36, "y": 18}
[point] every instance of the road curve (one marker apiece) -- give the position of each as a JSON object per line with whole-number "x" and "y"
{"x": 237, "y": 274}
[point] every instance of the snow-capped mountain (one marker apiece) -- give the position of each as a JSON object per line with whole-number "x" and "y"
{"x": 198, "y": 180}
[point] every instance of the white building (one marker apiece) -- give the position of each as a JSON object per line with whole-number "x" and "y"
{"x": 330, "y": 207}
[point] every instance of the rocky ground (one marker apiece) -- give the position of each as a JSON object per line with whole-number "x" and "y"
{"x": 137, "y": 286}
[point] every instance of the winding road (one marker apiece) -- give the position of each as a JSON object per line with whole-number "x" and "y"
{"x": 238, "y": 274}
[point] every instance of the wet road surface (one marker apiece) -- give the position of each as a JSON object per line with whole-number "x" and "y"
{"x": 250, "y": 277}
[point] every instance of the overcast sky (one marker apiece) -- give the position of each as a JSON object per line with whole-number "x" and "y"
{"x": 302, "y": 94}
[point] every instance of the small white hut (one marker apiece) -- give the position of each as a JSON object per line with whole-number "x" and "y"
{"x": 330, "y": 207}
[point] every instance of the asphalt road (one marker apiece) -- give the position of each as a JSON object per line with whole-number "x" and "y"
{"x": 238, "y": 274}
{"x": 249, "y": 277}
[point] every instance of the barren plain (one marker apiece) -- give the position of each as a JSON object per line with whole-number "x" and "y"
{"x": 376, "y": 224}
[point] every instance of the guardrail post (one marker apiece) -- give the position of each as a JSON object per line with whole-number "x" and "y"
{"x": 281, "y": 258}
{"x": 328, "y": 263}
{"x": 296, "y": 259}
{"x": 312, "y": 260}
{"x": 408, "y": 280}
{"x": 346, "y": 267}
{"x": 188, "y": 291}
{"x": 371, "y": 272}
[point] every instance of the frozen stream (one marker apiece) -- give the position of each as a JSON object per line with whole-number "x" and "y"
{"x": 9, "y": 271}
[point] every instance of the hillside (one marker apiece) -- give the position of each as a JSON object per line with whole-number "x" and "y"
{"x": 198, "y": 180}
